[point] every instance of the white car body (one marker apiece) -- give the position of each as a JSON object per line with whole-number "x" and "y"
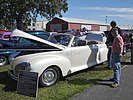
{"x": 65, "y": 59}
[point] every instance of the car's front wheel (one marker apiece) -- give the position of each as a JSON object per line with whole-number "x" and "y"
{"x": 3, "y": 60}
{"x": 50, "y": 77}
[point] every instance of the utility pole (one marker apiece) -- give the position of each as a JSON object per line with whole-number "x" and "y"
{"x": 106, "y": 19}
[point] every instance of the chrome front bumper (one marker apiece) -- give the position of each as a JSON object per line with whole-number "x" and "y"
{"x": 10, "y": 73}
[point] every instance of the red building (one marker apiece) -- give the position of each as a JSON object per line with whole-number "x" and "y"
{"x": 59, "y": 24}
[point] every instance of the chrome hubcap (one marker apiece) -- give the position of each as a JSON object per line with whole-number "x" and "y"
{"x": 2, "y": 60}
{"x": 49, "y": 76}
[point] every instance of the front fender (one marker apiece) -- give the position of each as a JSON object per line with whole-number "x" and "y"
{"x": 39, "y": 64}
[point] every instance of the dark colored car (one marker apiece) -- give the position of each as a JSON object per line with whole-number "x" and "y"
{"x": 4, "y": 56}
{"x": 41, "y": 34}
{"x": 19, "y": 43}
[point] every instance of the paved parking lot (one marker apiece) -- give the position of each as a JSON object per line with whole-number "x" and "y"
{"x": 103, "y": 91}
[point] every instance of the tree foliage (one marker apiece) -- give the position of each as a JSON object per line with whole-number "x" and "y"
{"x": 19, "y": 11}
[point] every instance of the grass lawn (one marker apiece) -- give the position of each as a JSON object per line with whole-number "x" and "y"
{"x": 63, "y": 90}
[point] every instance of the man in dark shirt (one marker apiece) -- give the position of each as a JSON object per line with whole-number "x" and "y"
{"x": 110, "y": 40}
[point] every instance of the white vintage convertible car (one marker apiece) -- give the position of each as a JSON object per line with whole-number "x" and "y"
{"x": 60, "y": 56}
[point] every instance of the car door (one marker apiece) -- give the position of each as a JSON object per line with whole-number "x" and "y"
{"x": 103, "y": 51}
{"x": 79, "y": 57}
{"x": 93, "y": 59}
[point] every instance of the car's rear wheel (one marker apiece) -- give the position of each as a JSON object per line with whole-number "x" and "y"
{"x": 50, "y": 77}
{"x": 3, "y": 60}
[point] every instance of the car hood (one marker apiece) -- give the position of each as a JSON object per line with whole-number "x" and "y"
{"x": 19, "y": 33}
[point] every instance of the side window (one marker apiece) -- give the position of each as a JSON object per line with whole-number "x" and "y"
{"x": 22, "y": 40}
{"x": 43, "y": 36}
{"x": 27, "y": 43}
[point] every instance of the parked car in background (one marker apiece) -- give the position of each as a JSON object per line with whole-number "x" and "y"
{"x": 9, "y": 47}
{"x": 126, "y": 37}
{"x": 4, "y": 36}
{"x": 16, "y": 42}
{"x": 57, "y": 57}
{"x": 4, "y": 56}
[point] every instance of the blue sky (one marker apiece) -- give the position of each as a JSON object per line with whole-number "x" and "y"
{"x": 119, "y": 10}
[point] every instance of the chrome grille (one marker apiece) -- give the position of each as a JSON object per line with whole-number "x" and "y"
{"x": 17, "y": 69}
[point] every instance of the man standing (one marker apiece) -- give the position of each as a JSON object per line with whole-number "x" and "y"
{"x": 109, "y": 43}
{"x": 117, "y": 49}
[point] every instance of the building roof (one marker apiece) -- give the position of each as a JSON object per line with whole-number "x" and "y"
{"x": 84, "y": 21}
{"x": 128, "y": 27}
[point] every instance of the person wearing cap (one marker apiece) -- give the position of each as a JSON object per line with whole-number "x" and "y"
{"x": 109, "y": 42}
{"x": 117, "y": 49}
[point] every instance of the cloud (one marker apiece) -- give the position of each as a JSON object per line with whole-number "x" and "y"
{"x": 119, "y": 10}
{"x": 120, "y": 15}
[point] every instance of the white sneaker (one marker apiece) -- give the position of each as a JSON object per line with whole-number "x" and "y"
{"x": 114, "y": 85}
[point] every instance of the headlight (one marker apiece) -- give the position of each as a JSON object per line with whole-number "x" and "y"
{"x": 12, "y": 56}
{"x": 22, "y": 66}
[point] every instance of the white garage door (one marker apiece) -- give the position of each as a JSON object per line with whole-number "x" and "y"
{"x": 88, "y": 27}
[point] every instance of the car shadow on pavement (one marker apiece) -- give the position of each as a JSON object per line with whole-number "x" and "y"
{"x": 99, "y": 69}
{"x": 105, "y": 82}
{"x": 9, "y": 84}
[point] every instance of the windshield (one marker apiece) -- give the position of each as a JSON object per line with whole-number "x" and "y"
{"x": 32, "y": 44}
{"x": 62, "y": 39}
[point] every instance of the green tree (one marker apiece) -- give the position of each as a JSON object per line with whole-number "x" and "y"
{"x": 23, "y": 11}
